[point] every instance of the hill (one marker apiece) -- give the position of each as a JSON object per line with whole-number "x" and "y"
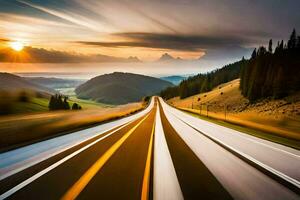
{"x": 281, "y": 116}
{"x": 18, "y": 95}
{"x": 173, "y": 79}
{"x": 55, "y": 83}
{"x": 13, "y": 83}
{"x": 205, "y": 82}
{"x": 120, "y": 88}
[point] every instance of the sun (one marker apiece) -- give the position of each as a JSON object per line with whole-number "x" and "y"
{"x": 17, "y": 46}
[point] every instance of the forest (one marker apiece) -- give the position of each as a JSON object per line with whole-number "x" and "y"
{"x": 205, "y": 82}
{"x": 274, "y": 74}
{"x": 267, "y": 73}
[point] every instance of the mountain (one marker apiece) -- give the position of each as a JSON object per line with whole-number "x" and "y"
{"x": 12, "y": 83}
{"x": 133, "y": 59}
{"x": 55, "y": 83}
{"x": 166, "y": 58}
{"x": 120, "y": 88}
{"x": 173, "y": 79}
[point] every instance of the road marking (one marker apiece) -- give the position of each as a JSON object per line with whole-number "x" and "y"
{"x": 165, "y": 182}
{"x": 44, "y": 156}
{"x": 146, "y": 179}
{"x": 41, "y": 173}
{"x": 248, "y": 177}
{"x": 9, "y": 165}
{"x": 82, "y": 182}
{"x": 240, "y": 134}
{"x": 273, "y": 173}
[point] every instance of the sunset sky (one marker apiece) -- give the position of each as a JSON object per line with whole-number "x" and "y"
{"x": 77, "y": 30}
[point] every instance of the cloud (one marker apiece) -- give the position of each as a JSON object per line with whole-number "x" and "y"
{"x": 170, "y": 41}
{"x": 67, "y": 14}
{"x": 40, "y": 55}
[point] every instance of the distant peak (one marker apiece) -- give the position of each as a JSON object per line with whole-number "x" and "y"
{"x": 133, "y": 59}
{"x": 166, "y": 57}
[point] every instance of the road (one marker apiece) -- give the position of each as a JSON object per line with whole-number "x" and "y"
{"x": 159, "y": 153}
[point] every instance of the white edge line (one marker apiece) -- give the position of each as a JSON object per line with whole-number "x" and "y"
{"x": 55, "y": 153}
{"x": 61, "y": 150}
{"x": 173, "y": 188}
{"x": 44, "y": 171}
{"x": 274, "y": 171}
{"x": 243, "y": 135}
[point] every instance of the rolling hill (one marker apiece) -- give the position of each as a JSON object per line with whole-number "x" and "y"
{"x": 120, "y": 88}
{"x": 13, "y": 83}
{"x": 280, "y": 116}
{"x": 55, "y": 83}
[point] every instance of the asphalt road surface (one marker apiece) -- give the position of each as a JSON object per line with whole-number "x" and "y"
{"x": 159, "y": 153}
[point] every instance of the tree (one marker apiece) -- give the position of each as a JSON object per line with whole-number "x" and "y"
{"x": 293, "y": 40}
{"x": 75, "y": 106}
{"x": 261, "y": 51}
{"x": 253, "y": 56}
{"x": 298, "y": 43}
{"x": 281, "y": 45}
{"x": 52, "y": 103}
{"x": 272, "y": 75}
{"x": 205, "y": 82}
{"x": 270, "y": 46}
{"x": 66, "y": 105}
{"x": 23, "y": 97}
{"x": 277, "y": 48}
{"x": 56, "y": 103}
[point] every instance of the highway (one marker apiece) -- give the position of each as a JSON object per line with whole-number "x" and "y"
{"x": 158, "y": 153}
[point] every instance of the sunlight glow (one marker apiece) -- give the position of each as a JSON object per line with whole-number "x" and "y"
{"x": 17, "y": 46}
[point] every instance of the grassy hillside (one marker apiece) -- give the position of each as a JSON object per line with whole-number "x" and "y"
{"x": 27, "y": 102}
{"x": 22, "y": 129}
{"x": 205, "y": 82}
{"x": 120, "y": 88}
{"x": 13, "y": 83}
{"x": 281, "y": 116}
{"x": 33, "y": 105}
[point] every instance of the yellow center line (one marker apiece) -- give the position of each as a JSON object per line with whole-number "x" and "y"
{"x": 146, "y": 179}
{"x": 82, "y": 182}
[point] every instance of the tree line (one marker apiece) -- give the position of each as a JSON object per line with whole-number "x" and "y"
{"x": 59, "y": 102}
{"x": 205, "y": 82}
{"x": 271, "y": 73}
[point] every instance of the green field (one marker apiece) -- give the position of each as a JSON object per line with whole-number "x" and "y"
{"x": 33, "y": 105}
{"x": 87, "y": 104}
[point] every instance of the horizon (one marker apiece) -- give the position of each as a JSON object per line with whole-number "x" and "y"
{"x": 113, "y": 95}
{"x": 82, "y": 76}
{"x": 127, "y": 36}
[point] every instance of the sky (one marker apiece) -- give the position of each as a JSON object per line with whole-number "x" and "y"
{"x": 204, "y": 34}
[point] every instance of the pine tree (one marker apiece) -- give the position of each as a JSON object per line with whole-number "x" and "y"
{"x": 281, "y": 45}
{"x": 51, "y": 105}
{"x": 292, "y": 41}
{"x": 66, "y": 105}
{"x": 298, "y": 43}
{"x": 253, "y": 56}
{"x": 270, "y": 49}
